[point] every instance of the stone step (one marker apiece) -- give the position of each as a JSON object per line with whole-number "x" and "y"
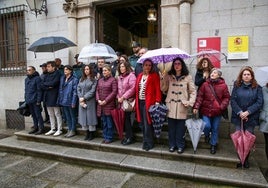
{"x": 193, "y": 171}
{"x": 225, "y": 156}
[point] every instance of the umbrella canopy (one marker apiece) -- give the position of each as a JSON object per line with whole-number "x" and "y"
{"x": 163, "y": 56}
{"x": 158, "y": 114}
{"x": 118, "y": 116}
{"x": 243, "y": 142}
{"x": 261, "y": 75}
{"x": 92, "y": 52}
{"x": 195, "y": 128}
{"x": 214, "y": 56}
{"x": 50, "y": 44}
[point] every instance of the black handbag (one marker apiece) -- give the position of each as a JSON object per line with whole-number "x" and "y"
{"x": 225, "y": 113}
{"x": 24, "y": 109}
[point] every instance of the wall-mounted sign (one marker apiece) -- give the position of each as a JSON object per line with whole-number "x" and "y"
{"x": 238, "y": 47}
{"x": 210, "y": 43}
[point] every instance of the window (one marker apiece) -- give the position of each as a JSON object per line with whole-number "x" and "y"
{"x": 12, "y": 41}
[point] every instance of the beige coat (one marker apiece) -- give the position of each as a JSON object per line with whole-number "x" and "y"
{"x": 179, "y": 94}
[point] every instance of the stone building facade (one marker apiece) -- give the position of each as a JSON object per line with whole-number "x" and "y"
{"x": 179, "y": 24}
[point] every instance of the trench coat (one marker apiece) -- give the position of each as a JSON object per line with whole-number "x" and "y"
{"x": 87, "y": 89}
{"x": 179, "y": 92}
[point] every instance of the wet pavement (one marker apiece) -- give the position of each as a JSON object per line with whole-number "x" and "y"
{"x": 24, "y": 171}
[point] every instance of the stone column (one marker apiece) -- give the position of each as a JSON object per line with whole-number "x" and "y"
{"x": 185, "y": 25}
{"x": 170, "y": 19}
{"x": 70, "y": 7}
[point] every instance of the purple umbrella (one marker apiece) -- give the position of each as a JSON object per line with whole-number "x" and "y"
{"x": 163, "y": 57}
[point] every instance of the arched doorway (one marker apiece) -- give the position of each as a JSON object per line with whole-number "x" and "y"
{"x": 122, "y": 22}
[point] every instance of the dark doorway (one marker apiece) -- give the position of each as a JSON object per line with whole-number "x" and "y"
{"x": 122, "y": 22}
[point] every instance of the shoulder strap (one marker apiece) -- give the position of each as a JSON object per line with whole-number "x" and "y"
{"x": 213, "y": 92}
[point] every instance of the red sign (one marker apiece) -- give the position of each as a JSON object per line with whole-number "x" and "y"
{"x": 210, "y": 43}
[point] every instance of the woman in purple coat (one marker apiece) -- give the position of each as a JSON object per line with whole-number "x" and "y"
{"x": 105, "y": 96}
{"x": 126, "y": 91}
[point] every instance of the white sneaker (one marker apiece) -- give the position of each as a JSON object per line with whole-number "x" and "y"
{"x": 57, "y": 133}
{"x": 50, "y": 132}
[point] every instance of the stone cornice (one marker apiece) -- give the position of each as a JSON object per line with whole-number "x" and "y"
{"x": 186, "y": 1}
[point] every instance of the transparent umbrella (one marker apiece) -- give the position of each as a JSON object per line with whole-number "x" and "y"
{"x": 92, "y": 52}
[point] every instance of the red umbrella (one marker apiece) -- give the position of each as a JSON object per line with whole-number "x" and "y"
{"x": 118, "y": 116}
{"x": 243, "y": 142}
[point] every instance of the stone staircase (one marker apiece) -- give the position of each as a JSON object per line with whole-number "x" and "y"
{"x": 202, "y": 166}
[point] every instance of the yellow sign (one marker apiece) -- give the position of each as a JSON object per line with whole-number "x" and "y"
{"x": 238, "y": 47}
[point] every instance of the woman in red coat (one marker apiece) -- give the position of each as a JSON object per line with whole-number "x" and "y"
{"x": 208, "y": 105}
{"x": 147, "y": 93}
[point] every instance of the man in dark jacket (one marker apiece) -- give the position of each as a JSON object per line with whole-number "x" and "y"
{"x": 42, "y": 76}
{"x": 50, "y": 86}
{"x": 33, "y": 97}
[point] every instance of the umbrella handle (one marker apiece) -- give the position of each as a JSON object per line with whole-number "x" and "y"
{"x": 242, "y": 125}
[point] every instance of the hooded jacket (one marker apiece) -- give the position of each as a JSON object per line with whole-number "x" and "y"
{"x": 206, "y": 101}
{"x": 33, "y": 92}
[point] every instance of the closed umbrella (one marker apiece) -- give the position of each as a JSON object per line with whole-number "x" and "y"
{"x": 195, "y": 128}
{"x": 243, "y": 141}
{"x": 118, "y": 116}
{"x": 50, "y": 44}
{"x": 158, "y": 114}
{"x": 92, "y": 52}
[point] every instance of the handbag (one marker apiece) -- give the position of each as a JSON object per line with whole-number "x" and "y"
{"x": 225, "y": 113}
{"x": 24, "y": 109}
{"x": 128, "y": 105}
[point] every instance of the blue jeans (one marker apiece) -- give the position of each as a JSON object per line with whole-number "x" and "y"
{"x": 212, "y": 125}
{"x": 36, "y": 115}
{"x": 69, "y": 113}
{"x": 108, "y": 127}
{"x": 176, "y": 132}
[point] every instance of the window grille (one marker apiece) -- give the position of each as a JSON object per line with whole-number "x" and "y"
{"x": 12, "y": 41}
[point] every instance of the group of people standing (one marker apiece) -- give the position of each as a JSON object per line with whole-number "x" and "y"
{"x": 103, "y": 87}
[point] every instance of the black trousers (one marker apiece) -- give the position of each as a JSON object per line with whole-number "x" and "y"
{"x": 147, "y": 129}
{"x": 128, "y": 125}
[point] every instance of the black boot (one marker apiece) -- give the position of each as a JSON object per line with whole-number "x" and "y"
{"x": 87, "y": 135}
{"x": 35, "y": 130}
{"x": 213, "y": 149}
{"x": 91, "y": 135}
{"x": 246, "y": 163}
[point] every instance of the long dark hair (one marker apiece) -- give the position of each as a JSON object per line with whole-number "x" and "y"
{"x": 91, "y": 73}
{"x": 184, "y": 69}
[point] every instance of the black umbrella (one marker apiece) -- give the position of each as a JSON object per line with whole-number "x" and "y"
{"x": 50, "y": 44}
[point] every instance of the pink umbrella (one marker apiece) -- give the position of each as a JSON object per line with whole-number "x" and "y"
{"x": 243, "y": 142}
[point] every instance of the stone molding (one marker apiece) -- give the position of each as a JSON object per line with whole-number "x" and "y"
{"x": 186, "y": 1}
